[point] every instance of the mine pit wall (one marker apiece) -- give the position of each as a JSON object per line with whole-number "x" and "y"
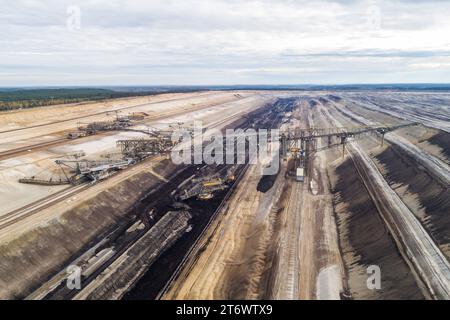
{"x": 127, "y": 269}
{"x": 353, "y": 256}
{"x": 252, "y": 277}
{"x": 442, "y": 140}
{"x": 432, "y": 140}
{"x": 364, "y": 240}
{"x": 428, "y": 199}
{"x": 269, "y": 277}
{"x": 35, "y": 256}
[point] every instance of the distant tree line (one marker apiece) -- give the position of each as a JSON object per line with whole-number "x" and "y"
{"x": 31, "y": 98}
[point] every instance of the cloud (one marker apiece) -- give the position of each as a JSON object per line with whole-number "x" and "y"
{"x": 222, "y": 42}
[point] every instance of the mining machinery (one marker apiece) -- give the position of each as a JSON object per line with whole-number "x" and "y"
{"x": 141, "y": 148}
{"x": 80, "y": 170}
{"x": 300, "y": 143}
{"x": 203, "y": 188}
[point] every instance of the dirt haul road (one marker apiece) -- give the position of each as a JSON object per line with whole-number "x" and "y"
{"x": 41, "y": 163}
{"x": 278, "y": 244}
{"x": 218, "y": 119}
{"x": 30, "y": 135}
{"x": 425, "y": 256}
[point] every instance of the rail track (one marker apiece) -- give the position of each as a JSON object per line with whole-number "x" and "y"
{"x": 93, "y": 114}
{"x": 161, "y": 116}
{"x": 28, "y": 210}
{"x": 25, "y": 149}
{"x": 195, "y": 248}
{"x": 191, "y": 255}
{"x": 424, "y": 257}
{"x": 63, "y": 194}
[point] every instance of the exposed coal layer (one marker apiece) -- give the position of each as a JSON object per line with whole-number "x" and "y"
{"x": 434, "y": 197}
{"x": 334, "y": 98}
{"x": 157, "y": 201}
{"x": 313, "y": 103}
{"x": 365, "y": 241}
{"x": 159, "y": 273}
{"x": 266, "y": 182}
{"x": 52, "y": 247}
{"x": 442, "y": 139}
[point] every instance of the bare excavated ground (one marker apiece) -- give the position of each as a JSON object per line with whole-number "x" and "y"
{"x": 363, "y": 236}
{"x": 429, "y": 199}
{"x": 35, "y": 248}
{"x": 424, "y": 194}
{"x": 31, "y": 258}
{"x": 442, "y": 140}
{"x": 274, "y": 238}
{"x": 39, "y": 162}
{"x": 432, "y": 141}
{"x": 428, "y": 139}
{"x": 365, "y": 241}
{"x": 19, "y": 119}
{"x": 230, "y": 260}
{"x": 341, "y": 232}
{"x": 333, "y": 250}
{"x": 429, "y": 108}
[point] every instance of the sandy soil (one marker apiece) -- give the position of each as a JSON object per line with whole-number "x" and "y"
{"x": 236, "y": 259}
{"x": 418, "y": 244}
{"x": 279, "y": 244}
{"x": 61, "y": 124}
{"x": 90, "y": 211}
{"x": 237, "y": 241}
{"x": 306, "y": 262}
{"x": 17, "y": 119}
{"x": 41, "y": 164}
{"x": 430, "y": 108}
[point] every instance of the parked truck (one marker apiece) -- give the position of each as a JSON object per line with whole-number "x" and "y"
{"x": 300, "y": 175}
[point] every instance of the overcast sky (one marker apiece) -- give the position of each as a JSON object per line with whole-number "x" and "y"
{"x": 137, "y": 42}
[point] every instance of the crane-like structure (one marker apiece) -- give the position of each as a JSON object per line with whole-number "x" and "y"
{"x": 300, "y": 143}
{"x": 141, "y": 148}
{"x": 306, "y": 139}
{"x": 76, "y": 170}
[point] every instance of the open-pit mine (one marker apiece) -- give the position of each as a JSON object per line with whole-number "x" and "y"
{"x": 351, "y": 199}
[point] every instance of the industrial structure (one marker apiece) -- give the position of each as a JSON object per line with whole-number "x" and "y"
{"x": 141, "y": 148}
{"x": 203, "y": 188}
{"x": 79, "y": 170}
{"x": 300, "y": 143}
{"x": 161, "y": 223}
{"x": 75, "y": 170}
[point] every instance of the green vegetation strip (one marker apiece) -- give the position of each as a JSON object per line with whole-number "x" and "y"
{"x": 14, "y": 99}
